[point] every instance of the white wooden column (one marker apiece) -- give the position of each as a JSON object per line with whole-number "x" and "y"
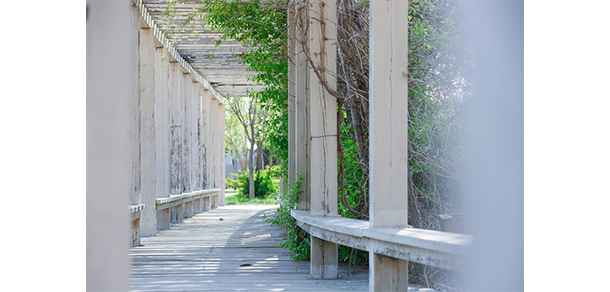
{"x": 187, "y": 102}
{"x": 109, "y": 99}
{"x": 136, "y": 182}
{"x": 206, "y": 136}
{"x": 147, "y": 132}
{"x": 291, "y": 95}
{"x": 323, "y": 133}
{"x": 222, "y": 163}
{"x": 388, "y": 136}
{"x": 302, "y": 144}
{"x": 196, "y": 143}
{"x": 213, "y": 146}
{"x": 175, "y": 126}
{"x": 176, "y": 112}
{"x": 187, "y": 92}
{"x": 135, "y": 108}
{"x": 162, "y": 134}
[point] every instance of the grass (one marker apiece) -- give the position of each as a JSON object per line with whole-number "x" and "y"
{"x": 240, "y": 199}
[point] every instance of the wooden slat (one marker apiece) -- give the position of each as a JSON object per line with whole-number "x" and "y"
{"x": 204, "y": 253}
{"x": 193, "y": 45}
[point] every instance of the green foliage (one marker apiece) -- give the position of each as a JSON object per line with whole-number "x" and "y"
{"x": 241, "y": 199}
{"x": 261, "y": 24}
{"x": 298, "y": 241}
{"x": 263, "y": 183}
{"x": 231, "y": 183}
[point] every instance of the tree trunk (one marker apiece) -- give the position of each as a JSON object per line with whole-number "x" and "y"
{"x": 259, "y": 155}
{"x": 251, "y": 171}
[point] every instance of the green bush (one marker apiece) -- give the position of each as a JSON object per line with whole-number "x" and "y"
{"x": 298, "y": 241}
{"x": 231, "y": 183}
{"x": 263, "y": 183}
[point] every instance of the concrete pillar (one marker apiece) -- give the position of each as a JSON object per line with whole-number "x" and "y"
{"x": 222, "y": 154}
{"x": 109, "y": 99}
{"x": 196, "y": 143}
{"x": 175, "y": 129}
{"x": 136, "y": 182}
{"x": 213, "y": 145}
{"x": 162, "y": 134}
{"x": 323, "y": 133}
{"x": 388, "y": 136}
{"x": 205, "y": 144}
{"x": 135, "y": 108}
{"x": 187, "y": 93}
{"x": 147, "y": 132}
{"x": 291, "y": 95}
{"x": 176, "y": 112}
{"x": 301, "y": 116}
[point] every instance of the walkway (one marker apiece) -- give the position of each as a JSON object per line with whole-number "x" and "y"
{"x": 230, "y": 248}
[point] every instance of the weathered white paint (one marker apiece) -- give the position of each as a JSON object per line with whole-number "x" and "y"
{"x": 109, "y": 100}
{"x": 439, "y": 249}
{"x": 213, "y": 143}
{"x": 135, "y": 107}
{"x": 221, "y": 162}
{"x": 323, "y": 130}
{"x": 175, "y": 130}
{"x": 291, "y": 98}
{"x": 206, "y": 98}
{"x": 388, "y": 132}
{"x": 196, "y": 133}
{"x": 187, "y": 93}
{"x": 303, "y": 144}
{"x": 147, "y": 132}
{"x": 162, "y": 122}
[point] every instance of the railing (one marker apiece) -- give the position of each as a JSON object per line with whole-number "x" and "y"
{"x": 435, "y": 248}
{"x": 175, "y": 208}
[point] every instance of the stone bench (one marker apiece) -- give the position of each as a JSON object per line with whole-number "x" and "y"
{"x": 439, "y": 249}
{"x": 135, "y": 211}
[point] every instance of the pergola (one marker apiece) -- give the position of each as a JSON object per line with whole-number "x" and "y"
{"x": 155, "y": 138}
{"x": 195, "y": 45}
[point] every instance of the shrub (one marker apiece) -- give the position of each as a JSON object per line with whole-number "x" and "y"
{"x": 263, "y": 183}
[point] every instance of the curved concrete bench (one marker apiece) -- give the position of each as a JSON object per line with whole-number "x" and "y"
{"x": 435, "y": 248}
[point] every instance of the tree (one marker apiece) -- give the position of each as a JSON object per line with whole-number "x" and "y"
{"x": 247, "y": 112}
{"x": 235, "y": 139}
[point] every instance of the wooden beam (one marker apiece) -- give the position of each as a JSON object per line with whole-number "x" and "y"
{"x": 162, "y": 122}
{"x": 206, "y": 145}
{"x": 147, "y": 132}
{"x": 160, "y": 35}
{"x": 291, "y": 95}
{"x": 323, "y": 132}
{"x": 388, "y": 135}
{"x": 302, "y": 110}
{"x": 187, "y": 93}
{"x": 175, "y": 129}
